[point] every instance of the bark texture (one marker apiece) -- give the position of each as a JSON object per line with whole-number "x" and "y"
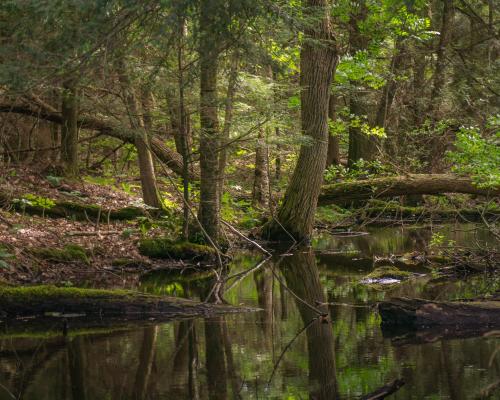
{"x": 208, "y": 212}
{"x": 341, "y": 193}
{"x": 317, "y": 63}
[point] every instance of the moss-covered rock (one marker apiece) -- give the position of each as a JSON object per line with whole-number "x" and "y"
{"x": 69, "y": 253}
{"x": 177, "y": 250}
{"x": 388, "y": 273}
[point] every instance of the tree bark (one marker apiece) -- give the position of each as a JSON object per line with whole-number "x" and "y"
{"x": 69, "y": 129}
{"x": 208, "y": 212}
{"x": 317, "y": 64}
{"x": 342, "y": 193}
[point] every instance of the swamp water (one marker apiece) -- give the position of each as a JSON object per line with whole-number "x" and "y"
{"x": 281, "y": 352}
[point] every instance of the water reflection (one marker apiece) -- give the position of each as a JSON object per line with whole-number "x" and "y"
{"x": 234, "y": 356}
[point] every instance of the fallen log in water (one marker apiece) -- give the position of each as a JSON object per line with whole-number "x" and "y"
{"x": 391, "y": 186}
{"x": 384, "y": 391}
{"x": 18, "y": 302}
{"x": 415, "y": 313}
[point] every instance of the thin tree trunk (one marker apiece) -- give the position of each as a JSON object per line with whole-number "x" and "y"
{"x": 208, "y": 213}
{"x": 317, "y": 63}
{"x": 277, "y": 164}
{"x": 260, "y": 192}
{"x": 150, "y": 192}
{"x": 146, "y": 359}
{"x": 333, "y": 156}
{"x": 439, "y": 80}
{"x": 361, "y": 146}
{"x": 69, "y": 129}
{"x": 228, "y": 119}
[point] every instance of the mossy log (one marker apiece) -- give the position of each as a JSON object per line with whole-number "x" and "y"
{"x": 415, "y": 313}
{"x": 411, "y": 184}
{"x": 30, "y": 301}
{"x": 70, "y": 253}
{"x": 73, "y": 210}
{"x": 162, "y": 248}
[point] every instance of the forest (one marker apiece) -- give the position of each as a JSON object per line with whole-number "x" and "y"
{"x": 244, "y": 199}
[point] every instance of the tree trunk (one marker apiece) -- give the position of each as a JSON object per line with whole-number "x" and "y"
{"x": 342, "y": 193}
{"x": 228, "y": 119}
{"x": 260, "y": 192}
{"x": 208, "y": 213}
{"x": 69, "y": 129}
{"x": 150, "y": 192}
{"x": 333, "y": 156}
{"x": 317, "y": 63}
{"x": 361, "y": 146}
{"x": 439, "y": 80}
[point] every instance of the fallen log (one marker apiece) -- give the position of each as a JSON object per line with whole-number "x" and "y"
{"x": 345, "y": 192}
{"x": 73, "y": 210}
{"x": 168, "y": 156}
{"x": 29, "y": 301}
{"x": 384, "y": 391}
{"x": 417, "y": 313}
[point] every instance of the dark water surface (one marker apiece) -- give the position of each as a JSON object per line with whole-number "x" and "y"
{"x": 269, "y": 354}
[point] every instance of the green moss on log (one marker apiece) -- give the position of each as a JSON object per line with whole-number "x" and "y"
{"x": 167, "y": 249}
{"x": 69, "y": 253}
{"x": 49, "y": 292}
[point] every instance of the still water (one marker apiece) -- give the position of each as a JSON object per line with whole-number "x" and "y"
{"x": 282, "y": 352}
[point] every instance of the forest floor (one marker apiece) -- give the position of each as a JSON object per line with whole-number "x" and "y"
{"x": 92, "y": 254}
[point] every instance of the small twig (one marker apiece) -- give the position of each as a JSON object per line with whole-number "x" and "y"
{"x": 241, "y": 235}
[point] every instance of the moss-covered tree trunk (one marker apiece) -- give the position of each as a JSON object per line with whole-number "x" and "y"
{"x": 69, "y": 128}
{"x": 317, "y": 63}
{"x": 209, "y": 48}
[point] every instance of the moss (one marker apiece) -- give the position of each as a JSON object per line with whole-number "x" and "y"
{"x": 30, "y": 293}
{"x": 388, "y": 273}
{"x": 127, "y": 213}
{"x": 70, "y": 253}
{"x": 168, "y": 249}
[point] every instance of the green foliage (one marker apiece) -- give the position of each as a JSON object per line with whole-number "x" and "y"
{"x": 360, "y": 170}
{"x": 477, "y": 156}
{"x": 240, "y": 212}
{"x": 4, "y": 257}
{"x": 54, "y": 181}
{"x": 39, "y": 201}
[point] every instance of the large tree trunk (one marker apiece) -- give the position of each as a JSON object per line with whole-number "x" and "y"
{"x": 171, "y": 158}
{"x": 317, "y": 63}
{"x": 69, "y": 129}
{"x": 208, "y": 213}
{"x": 342, "y": 193}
